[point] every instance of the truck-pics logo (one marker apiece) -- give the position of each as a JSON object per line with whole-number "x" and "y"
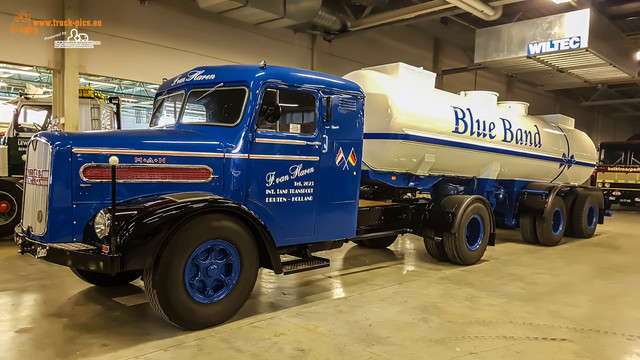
{"x": 483, "y": 129}
{"x": 22, "y": 24}
{"x": 76, "y": 40}
{"x": 345, "y": 161}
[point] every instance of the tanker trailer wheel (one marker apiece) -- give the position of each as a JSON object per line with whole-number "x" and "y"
{"x": 107, "y": 280}
{"x": 550, "y": 229}
{"x": 585, "y": 216}
{"x": 378, "y": 243}
{"x": 528, "y": 229}
{"x": 205, "y": 273}
{"x": 468, "y": 243}
{"x": 435, "y": 248}
{"x": 10, "y": 206}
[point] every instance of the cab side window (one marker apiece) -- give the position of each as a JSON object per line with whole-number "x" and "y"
{"x": 297, "y": 112}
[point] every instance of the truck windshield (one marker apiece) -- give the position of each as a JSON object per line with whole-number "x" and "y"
{"x": 224, "y": 106}
{"x": 32, "y": 118}
{"x": 167, "y": 109}
{"x": 613, "y": 156}
{"x": 634, "y": 157}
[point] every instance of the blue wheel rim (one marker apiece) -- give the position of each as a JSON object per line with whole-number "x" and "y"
{"x": 591, "y": 216}
{"x": 557, "y": 222}
{"x": 212, "y": 271}
{"x": 474, "y": 232}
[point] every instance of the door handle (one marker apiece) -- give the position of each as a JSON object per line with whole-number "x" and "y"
{"x": 325, "y": 145}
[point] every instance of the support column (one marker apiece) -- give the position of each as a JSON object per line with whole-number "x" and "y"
{"x": 315, "y": 44}
{"x": 435, "y": 62}
{"x": 65, "y": 77}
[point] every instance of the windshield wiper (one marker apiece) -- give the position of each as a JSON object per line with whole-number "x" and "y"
{"x": 210, "y": 91}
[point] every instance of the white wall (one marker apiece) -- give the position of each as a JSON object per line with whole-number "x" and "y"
{"x": 147, "y": 43}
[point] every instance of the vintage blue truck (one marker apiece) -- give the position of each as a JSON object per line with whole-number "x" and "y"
{"x": 246, "y": 164}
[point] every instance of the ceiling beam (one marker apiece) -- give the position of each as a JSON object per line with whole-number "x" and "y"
{"x": 610, "y": 102}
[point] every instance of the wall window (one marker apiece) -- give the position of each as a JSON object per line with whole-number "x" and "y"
{"x": 297, "y": 112}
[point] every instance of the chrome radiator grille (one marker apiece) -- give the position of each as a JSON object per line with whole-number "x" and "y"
{"x": 36, "y": 187}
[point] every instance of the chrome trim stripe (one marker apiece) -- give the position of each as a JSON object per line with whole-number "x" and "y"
{"x": 187, "y": 153}
{"x": 144, "y": 152}
{"x": 281, "y": 141}
{"x": 236, "y": 156}
{"x": 211, "y": 176}
{"x": 284, "y": 157}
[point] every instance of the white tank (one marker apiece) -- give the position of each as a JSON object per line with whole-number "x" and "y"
{"x": 412, "y": 127}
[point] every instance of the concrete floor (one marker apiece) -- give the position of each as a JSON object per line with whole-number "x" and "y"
{"x": 579, "y": 300}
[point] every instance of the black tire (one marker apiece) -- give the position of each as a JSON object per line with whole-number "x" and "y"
{"x": 165, "y": 280}
{"x": 378, "y": 243}
{"x": 434, "y": 248}
{"x": 467, "y": 245}
{"x": 528, "y": 229}
{"x": 107, "y": 280}
{"x": 550, "y": 229}
{"x": 585, "y": 216}
{"x": 11, "y": 200}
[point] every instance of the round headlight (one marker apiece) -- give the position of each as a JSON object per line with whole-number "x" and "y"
{"x": 102, "y": 223}
{"x": 599, "y": 184}
{"x": 607, "y": 185}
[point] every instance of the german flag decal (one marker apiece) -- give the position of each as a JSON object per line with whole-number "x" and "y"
{"x": 352, "y": 158}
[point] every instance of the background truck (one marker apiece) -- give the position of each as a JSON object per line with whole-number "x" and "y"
{"x": 263, "y": 166}
{"x": 33, "y": 114}
{"x": 618, "y": 171}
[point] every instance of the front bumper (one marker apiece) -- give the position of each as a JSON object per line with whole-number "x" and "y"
{"x": 74, "y": 255}
{"x": 623, "y": 197}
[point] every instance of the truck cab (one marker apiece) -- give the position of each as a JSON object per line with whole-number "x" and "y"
{"x": 271, "y": 153}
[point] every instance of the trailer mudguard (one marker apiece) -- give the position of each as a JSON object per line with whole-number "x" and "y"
{"x": 443, "y": 215}
{"x": 535, "y": 197}
{"x": 144, "y": 225}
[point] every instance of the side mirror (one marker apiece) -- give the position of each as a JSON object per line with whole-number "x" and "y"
{"x": 271, "y": 112}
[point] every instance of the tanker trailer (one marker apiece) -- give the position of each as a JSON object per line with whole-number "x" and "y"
{"x": 468, "y": 147}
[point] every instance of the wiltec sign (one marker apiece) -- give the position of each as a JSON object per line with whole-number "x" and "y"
{"x": 549, "y": 46}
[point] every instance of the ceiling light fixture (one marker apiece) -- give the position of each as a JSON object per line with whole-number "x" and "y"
{"x": 20, "y": 72}
{"x": 561, "y": 1}
{"x": 129, "y": 99}
{"x": 638, "y": 55}
{"x": 97, "y": 82}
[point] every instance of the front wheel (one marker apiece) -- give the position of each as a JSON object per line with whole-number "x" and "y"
{"x": 107, "y": 280}
{"x": 10, "y": 206}
{"x": 205, "y": 273}
{"x": 468, "y": 243}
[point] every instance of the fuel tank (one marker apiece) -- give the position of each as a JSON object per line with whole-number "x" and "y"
{"x": 412, "y": 127}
